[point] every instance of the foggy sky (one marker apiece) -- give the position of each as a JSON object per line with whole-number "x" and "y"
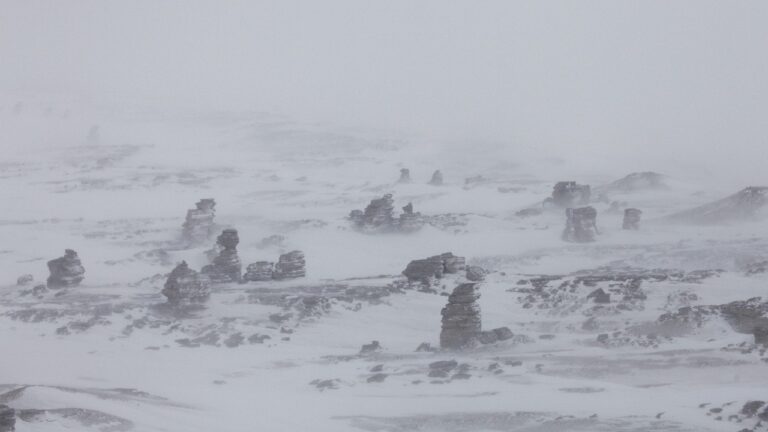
{"x": 671, "y": 79}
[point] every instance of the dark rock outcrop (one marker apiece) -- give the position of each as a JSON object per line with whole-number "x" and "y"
{"x": 290, "y": 266}
{"x": 569, "y": 194}
{"x": 744, "y": 205}
{"x": 437, "y": 178}
{"x": 199, "y": 226}
{"x": 636, "y": 182}
{"x": 25, "y": 279}
{"x": 226, "y": 266}
{"x": 259, "y": 271}
{"x": 7, "y": 419}
{"x": 476, "y": 273}
{"x": 599, "y": 296}
{"x": 370, "y": 348}
{"x": 428, "y": 269}
{"x": 461, "y": 322}
{"x": 409, "y": 220}
{"x": 185, "y": 285}
{"x": 631, "y": 219}
{"x": 379, "y": 217}
{"x": 580, "y": 225}
{"x": 66, "y": 271}
{"x": 405, "y": 176}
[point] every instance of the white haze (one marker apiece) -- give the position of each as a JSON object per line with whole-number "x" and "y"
{"x": 637, "y": 84}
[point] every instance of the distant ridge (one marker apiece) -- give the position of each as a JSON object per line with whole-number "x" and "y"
{"x": 743, "y": 205}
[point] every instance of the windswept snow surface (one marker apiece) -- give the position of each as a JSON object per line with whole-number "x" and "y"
{"x": 109, "y": 355}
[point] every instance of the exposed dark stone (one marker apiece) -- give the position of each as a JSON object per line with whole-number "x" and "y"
{"x": 379, "y": 377}
{"x": 569, "y": 194}
{"x": 428, "y": 269}
{"x": 226, "y": 266}
{"x": 599, "y": 296}
{"x": 7, "y": 419}
{"x": 379, "y": 217}
{"x": 761, "y": 335}
{"x": 437, "y": 178}
{"x": 476, "y": 273}
{"x": 425, "y": 347}
{"x": 66, "y": 271}
{"x": 198, "y": 226}
{"x": 370, "y": 348}
{"x": 259, "y": 271}
{"x": 405, "y": 176}
{"x": 487, "y": 337}
{"x": 503, "y": 333}
{"x": 461, "y": 321}
{"x": 39, "y": 290}
{"x": 410, "y": 221}
{"x": 446, "y": 365}
{"x": 636, "y": 182}
{"x": 290, "y": 266}
{"x": 750, "y": 408}
{"x": 185, "y": 285}
{"x": 25, "y": 279}
{"x": 631, "y": 219}
{"x": 580, "y": 225}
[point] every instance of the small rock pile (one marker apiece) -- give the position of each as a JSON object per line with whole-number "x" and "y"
{"x": 569, "y": 193}
{"x": 437, "y": 178}
{"x": 7, "y": 418}
{"x": 25, "y": 279}
{"x": 185, "y": 285}
{"x": 428, "y": 269}
{"x": 379, "y": 217}
{"x": 290, "y": 266}
{"x": 226, "y": 266}
{"x": 66, "y": 271}
{"x": 199, "y": 225}
{"x": 631, "y": 219}
{"x": 259, "y": 271}
{"x": 461, "y": 322}
{"x": 405, "y": 176}
{"x": 580, "y": 225}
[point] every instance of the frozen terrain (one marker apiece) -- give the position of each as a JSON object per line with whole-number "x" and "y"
{"x": 111, "y": 355}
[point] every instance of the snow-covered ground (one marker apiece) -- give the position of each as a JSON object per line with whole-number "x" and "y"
{"x": 108, "y": 355}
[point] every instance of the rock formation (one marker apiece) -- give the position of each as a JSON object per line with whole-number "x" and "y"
{"x": 379, "y": 217}
{"x": 636, "y": 182}
{"x": 461, "y": 322}
{"x": 405, "y": 176}
{"x": 569, "y": 194}
{"x": 226, "y": 267}
{"x": 631, "y": 219}
{"x": 66, "y": 271}
{"x": 428, "y": 269}
{"x": 185, "y": 285}
{"x": 7, "y": 418}
{"x": 437, "y": 178}
{"x": 199, "y": 226}
{"x": 475, "y": 273}
{"x": 744, "y": 205}
{"x": 259, "y": 271}
{"x": 580, "y": 225}
{"x": 290, "y": 266}
{"x": 25, "y": 279}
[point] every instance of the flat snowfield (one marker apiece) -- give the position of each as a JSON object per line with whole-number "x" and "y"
{"x": 626, "y": 333}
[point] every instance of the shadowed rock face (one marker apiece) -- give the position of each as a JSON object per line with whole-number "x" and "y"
{"x": 580, "y": 225}
{"x": 636, "y": 182}
{"x": 569, "y": 194}
{"x": 744, "y": 205}
{"x": 428, "y": 269}
{"x": 259, "y": 271}
{"x": 379, "y": 217}
{"x": 631, "y": 219}
{"x": 198, "y": 226}
{"x": 461, "y": 322}
{"x": 66, "y": 271}
{"x": 290, "y": 266}
{"x": 437, "y": 178}
{"x": 405, "y": 176}
{"x": 226, "y": 266}
{"x": 7, "y": 419}
{"x": 185, "y": 285}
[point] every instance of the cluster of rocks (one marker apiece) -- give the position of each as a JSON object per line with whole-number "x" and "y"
{"x": 405, "y": 177}
{"x": 7, "y": 418}
{"x": 226, "y": 266}
{"x": 66, "y": 271}
{"x": 569, "y": 194}
{"x": 428, "y": 269}
{"x": 185, "y": 286}
{"x": 751, "y": 417}
{"x": 378, "y": 216}
{"x": 631, "y": 219}
{"x": 461, "y": 323}
{"x": 290, "y": 265}
{"x": 199, "y": 226}
{"x": 580, "y": 225}
{"x": 744, "y": 316}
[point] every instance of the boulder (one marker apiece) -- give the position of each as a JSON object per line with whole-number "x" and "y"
{"x": 461, "y": 322}
{"x": 226, "y": 266}
{"x": 185, "y": 286}
{"x": 199, "y": 226}
{"x": 405, "y": 176}
{"x": 290, "y": 266}
{"x": 437, "y": 178}
{"x": 25, "y": 279}
{"x": 599, "y": 296}
{"x": 427, "y": 269}
{"x": 569, "y": 194}
{"x": 631, "y": 219}
{"x": 475, "y": 273}
{"x": 580, "y": 225}
{"x": 66, "y": 271}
